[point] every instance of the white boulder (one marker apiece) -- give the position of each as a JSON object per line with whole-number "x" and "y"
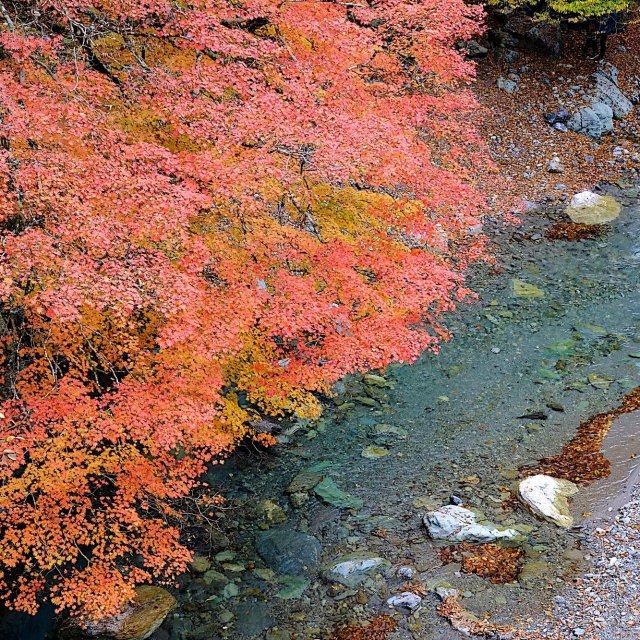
{"x": 457, "y": 524}
{"x": 547, "y": 497}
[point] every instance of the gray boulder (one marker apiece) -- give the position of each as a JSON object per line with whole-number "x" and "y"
{"x": 474, "y": 50}
{"x": 608, "y": 92}
{"x": 593, "y": 121}
{"x": 555, "y": 117}
{"x": 605, "y": 113}
{"x": 287, "y": 551}
{"x": 507, "y": 85}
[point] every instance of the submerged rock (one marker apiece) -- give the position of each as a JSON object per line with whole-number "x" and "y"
{"x": 328, "y": 491}
{"x": 253, "y": 618}
{"x": 374, "y": 380}
{"x": 587, "y": 207}
{"x": 287, "y": 551}
{"x": 405, "y": 600}
{"x": 373, "y": 452}
{"x": 458, "y": 524}
{"x": 199, "y": 564}
{"x": 352, "y": 569}
{"x": 292, "y": 587}
{"x": 547, "y": 497}
{"x": 304, "y": 481}
{"x": 271, "y": 513}
{"x": 137, "y": 621}
{"x": 522, "y": 289}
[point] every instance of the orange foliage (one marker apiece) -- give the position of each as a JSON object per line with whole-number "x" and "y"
{"x": 377, "y": 629}
{"x": 209, "y": 211}
{"x": 498, "y": 564}
{"x": 581, "y": 459}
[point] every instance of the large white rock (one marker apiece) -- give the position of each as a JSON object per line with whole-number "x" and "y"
{"x": 547, "y": 497}
{"x": 458, "y": 524}
{"x": 590, "y": 208}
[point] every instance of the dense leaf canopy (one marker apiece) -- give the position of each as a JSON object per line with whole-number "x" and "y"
{"x": 211, "y": 210}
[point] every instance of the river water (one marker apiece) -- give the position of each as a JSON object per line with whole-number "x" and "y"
{"x": 564, "y": 353}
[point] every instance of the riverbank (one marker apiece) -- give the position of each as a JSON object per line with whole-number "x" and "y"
{"x": 604, "y": 603}
{"x": 524, "y": 140}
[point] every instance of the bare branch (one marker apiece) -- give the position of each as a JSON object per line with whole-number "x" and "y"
{"x": 7, "y": 17}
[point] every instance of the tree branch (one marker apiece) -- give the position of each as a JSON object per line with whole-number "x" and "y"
{"x": 7, "y": 17}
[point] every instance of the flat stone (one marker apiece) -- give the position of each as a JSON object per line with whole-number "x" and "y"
{"x": 304, "y": 481}
{"x": 373, "y": 452}
{"x": 405, "y": 600}
{"x": 389, "y": 431}
{"x": 534, "y": 569}
{"x": 292, "y": 587}
{"x": 215, "y": 578}
{"x": 330, "y": 493}
{"x": 522, "y": 289}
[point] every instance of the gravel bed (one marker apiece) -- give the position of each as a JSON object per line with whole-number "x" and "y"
{"x": 603, "y": 604}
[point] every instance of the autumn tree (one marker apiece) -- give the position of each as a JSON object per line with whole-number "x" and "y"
{"x": 211, "y": 211}
{"x": 576, "y": 11}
